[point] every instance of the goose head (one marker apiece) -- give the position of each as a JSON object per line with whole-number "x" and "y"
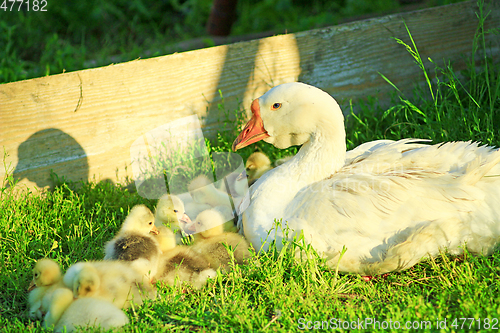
{"x": 140, "y": 220}
{"x": 86, "y": 282}
{"x": 290, "y": 114}
{"x": 45, "y": 273}
{"x": 170, "y": 211}
{"x": 209, "y": 223}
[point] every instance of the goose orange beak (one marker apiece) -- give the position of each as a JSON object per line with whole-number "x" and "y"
{"x": 253, "y": 131}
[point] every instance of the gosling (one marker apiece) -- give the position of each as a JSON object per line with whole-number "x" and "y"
{"x": 180, "y": 265}
{"x": 47, "y": 277}
{"x": 213, "y": 242}
{"x": 135, "y": 242}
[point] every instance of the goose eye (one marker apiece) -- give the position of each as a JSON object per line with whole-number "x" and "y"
{"x": 276, "y": 106}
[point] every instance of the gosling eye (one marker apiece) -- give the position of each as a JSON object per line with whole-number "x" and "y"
{"x": 176, "y": 211}
{"x": 276, "y": 106}
{"x": 150, "y": 223}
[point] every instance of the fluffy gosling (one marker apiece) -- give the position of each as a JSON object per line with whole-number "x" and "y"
{"x": 67, "y": 313}
{"x": 256, "y": 165}
{"x": 135, "y": 242}
{"x": 213, "y": 242}
{"x": 114, "y": 281}
{"x": 171, "y": 213}
{"x": 180, "y": 265}
{"x": 47, "y": 277}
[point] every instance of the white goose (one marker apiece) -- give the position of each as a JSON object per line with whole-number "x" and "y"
{"x": 389, "y": 203}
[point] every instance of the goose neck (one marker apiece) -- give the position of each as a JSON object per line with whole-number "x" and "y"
{"x": 323, "y": 155}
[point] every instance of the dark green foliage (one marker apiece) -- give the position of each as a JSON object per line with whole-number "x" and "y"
{"x": 75, "y": 35}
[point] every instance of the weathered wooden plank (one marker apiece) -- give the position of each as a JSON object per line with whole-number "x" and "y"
{"x": 82, "y": 124}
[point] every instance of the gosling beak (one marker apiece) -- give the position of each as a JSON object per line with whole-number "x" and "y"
{"x": 186, "y": 224}
{"x": 154, "y": 231}
{"x": 32, "y": 285}
{"x": 190, "y": 228}
{"x": 185, "y": 219}
{"x": 253, "y": 131}
{"x": 242, "y": 176}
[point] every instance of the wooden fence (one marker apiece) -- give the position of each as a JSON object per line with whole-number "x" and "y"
{"x": 81, "y": 124}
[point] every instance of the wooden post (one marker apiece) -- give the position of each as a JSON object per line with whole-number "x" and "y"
{"x": 222, "y": 16}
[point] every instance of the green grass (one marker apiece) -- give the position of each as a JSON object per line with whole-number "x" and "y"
{"x": 274, "y": 292}
{"x": 72, "y": 225}
{"x": 447, "y": 109}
